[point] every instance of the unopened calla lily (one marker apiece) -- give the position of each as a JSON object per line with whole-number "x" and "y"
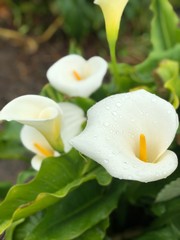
{"x": 112, "y": 11}
{"x": 129, "y": 135}
{"x": 74, "y": 76}
{"x": 72, "y": 119}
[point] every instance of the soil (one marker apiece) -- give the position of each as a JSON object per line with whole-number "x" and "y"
{"x": 23, "y": 73}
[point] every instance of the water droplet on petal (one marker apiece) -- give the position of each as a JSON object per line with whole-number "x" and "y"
{"x": 106, "y": 160}
{"x": 106, "y": 124}
{"x": 169, "y": 112}
{"x": 154, "y": 100}
{"x": 118, "y": 104}
{"x": 114, "y": 113}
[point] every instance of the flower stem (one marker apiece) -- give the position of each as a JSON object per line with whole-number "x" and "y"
{"x": 58, "y": 145}
{"x": 112, "y": 48}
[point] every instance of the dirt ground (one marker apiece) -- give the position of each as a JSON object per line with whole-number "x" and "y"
{"x": 22, "y": 73}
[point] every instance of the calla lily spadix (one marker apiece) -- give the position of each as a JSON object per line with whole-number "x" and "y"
{"x": 72, "y": 120}
{"x": 129, "y": 134}
{"x": 74, "y": 76}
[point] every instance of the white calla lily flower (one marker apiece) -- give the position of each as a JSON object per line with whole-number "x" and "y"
{"x": 34, "y": 141}
{"x": 75, "y": 76}
{"x": 72, "y": 119}
{"x": 129, "y": 135}
{"x": 39, "y": 112}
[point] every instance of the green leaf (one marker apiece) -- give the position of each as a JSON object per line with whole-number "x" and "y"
{"x": 126, "y": 80}
{"x": 23, "y": 230}
{"x": 56, "y": 178}
{"x": 50, "y": 92}
{"x": 78, "y": 212}
{"x": 4, "y": 187}
{"x": 166, "y": 211}
{"x": 168, "y": 70}
{"x": 164, "y": 26}
{"x": 24, "y": 227}
{"x": 98, "y": 232}
{"x": 84, "y": 103}
{"x": 10, "y": 231}
{"x": 170, "y": 191}
{"x": 84, "y": 17}
{"x": 10, "y": 143}
{"x": 145, "y": 69}
{"x": 166, "y": 233}
{"x": 26, "y": 175}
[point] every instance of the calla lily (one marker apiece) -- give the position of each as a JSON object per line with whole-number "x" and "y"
{"x": 112, "y": 11}
{"x": 129, "y": 135}
{"x": 36, "y": 143}
{"x": 39, "y": 112}
{"x": 72, "y": 119}
{"x": 75, "y": 76}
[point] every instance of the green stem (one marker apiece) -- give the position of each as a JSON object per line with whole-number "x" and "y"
{"x": 58, "y": 145}
{"x": 112, "y": 48}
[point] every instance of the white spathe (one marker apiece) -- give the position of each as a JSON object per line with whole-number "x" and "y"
{"x": 34, "y": 141}
{"x": 72, "y": 119}
{"x": 36, "y": 111}
{"x": 112, "y": 11}
{"x": 74, "y": 76}
{"x": 114, "y": 126}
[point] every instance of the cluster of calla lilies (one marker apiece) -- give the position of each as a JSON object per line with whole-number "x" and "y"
{"x": 127, "y": 133}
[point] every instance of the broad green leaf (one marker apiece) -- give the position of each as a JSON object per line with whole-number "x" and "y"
{"x": 56, "y": 178}
{"x": 81, "y": 210}
{"x": 10, "y": 144}
{"x": 23, "y": 230}
{"x": 166, "y": 211}
{"x": 4, "y": 187}
{"x": 168, "y": 70}
{"x": 126, "y": 80}
{"x": 144, "y": 70}
{"x": 25, "y": 176}
{"x": 80, "y": 10}
{"x": 10, "y": 231}
{"x": 170, "y": 191}
{"x": 166, "y": 233}
{"x": 97, "y": 232}
{"x": 164, "y": 26}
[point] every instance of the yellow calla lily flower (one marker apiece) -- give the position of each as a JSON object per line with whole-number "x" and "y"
{"x": 112, "y": 11}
